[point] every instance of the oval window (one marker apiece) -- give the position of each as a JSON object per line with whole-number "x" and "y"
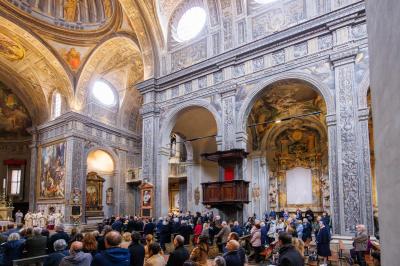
{"x": 103, "y": 93}
{"x": 191, "y": 23}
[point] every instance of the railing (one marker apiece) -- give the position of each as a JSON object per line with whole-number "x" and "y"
{"x": 37, "y": 261}
{"x": 177, "y": 170}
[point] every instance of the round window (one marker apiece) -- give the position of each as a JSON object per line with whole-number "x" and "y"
{"x": 191, "y": 23}
{"x": 103, "y": 93}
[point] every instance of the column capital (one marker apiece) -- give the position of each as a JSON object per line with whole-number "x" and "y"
{"x": 227, "y": 89}
{"x": 149, "y": 110}
{"x": 344, "y": 57}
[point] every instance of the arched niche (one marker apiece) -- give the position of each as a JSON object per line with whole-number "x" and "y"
{"x": 102, "y": 163}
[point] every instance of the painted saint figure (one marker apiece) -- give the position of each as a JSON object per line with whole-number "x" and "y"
{"x": 70, "y": 10}
{"x": 28, "y": 220}
{"x": 146, "y": 198}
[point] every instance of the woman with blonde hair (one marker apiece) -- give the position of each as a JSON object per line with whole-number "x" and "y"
{"x": 126, "y": 240}
{"x": 89, "y": 244}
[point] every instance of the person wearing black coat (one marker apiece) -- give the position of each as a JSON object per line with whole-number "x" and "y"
{"x": 130, "y": 225}
{"x": 165, "y": 235}
{"x": 136, "y": 250}
{"x": 232, "y": 256}
{"x": 307, "y": 230}
{"x": 180, "y": 254}
{"x": 117, "y": 225}
{"x": 60, "y": 234}
{"x": 309, "y": 215}
{"x": 288, "y": 255}
{"x": 149, "y": 228}
{"x": 185, "y": 230}
{"x": 55, "y": 258}
{"x": 323, "y": 241}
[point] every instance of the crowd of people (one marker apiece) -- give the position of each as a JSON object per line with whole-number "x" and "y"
{"x": 178, "y": 240}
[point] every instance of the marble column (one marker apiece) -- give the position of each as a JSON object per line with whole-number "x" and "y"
{"x": 33, "y": 170}
{"x": 349, "y": 199}
{"x": 228, "y": 117}
{"x": 259, "y": 184}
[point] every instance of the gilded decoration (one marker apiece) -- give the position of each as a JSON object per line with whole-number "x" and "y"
{"x": 14, "y": 117}
{"x": 11, "y": 49}
{"x": 94, "y": 192}
{"x": 52, "y": 171}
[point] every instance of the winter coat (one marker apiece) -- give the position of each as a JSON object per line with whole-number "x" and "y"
{"x": 232, "y": 258}
{"x": 264, "y": 235}
{"x": 112, "y": 256}
{"x": 200, "y": 255}
{"x": 155, "y": 260}
{"x": 77, "y": 259}
{"x": 36, "y": 246}
{"x": 237, "y": 229}
{"x": 255, "y": 237}
{"x": 289, "y": 256}
{"x": 54, "y": 259}
{"x": 165, "y": 234}
{"x": 137, "y": 254}
{"x": 178, "y": 257}
{"x": 149, "y": 229}
{"x": 185, "y": 231}
{"x": 54, "y": 238}
{"x": 307, "y": 230}
{"x": 223, "y": 234}
{"x": 12, "y": 251}
{"x": 323, "y": 242}
{"x": 361, "y": 241}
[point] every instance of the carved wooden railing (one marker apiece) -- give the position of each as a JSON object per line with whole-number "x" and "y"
{"x": 225, "y": 193}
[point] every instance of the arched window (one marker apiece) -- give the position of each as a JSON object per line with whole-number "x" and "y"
{"x": 56, "y": 104}
{"x": 190, "y": 24}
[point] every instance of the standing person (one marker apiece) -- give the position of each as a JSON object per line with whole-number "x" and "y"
{"x": 310, "y": 215}
{"x": 206, "y": 230}
{"x": 117, "y": 225}
{"x": 180, "y": 254}
{"x": 299, "y": 229}
{"x": 155, "y": 258}
{"x": 241, "y": 251}
{"x": 89, "y": 244}
{"x": 198, "y": 229}
{"x": 185, "y": 230}
{"x": 288, "y": 255}
{"x": 18, "y": 217}
{"x": 237, "y": 229}
{"x": 360, "y": 242}
{"x": 232, "y": 257}
{"x": 36, "y": 245}
{"x": 149, "y": 241}
{"x": 165, "y": 234}
{"x": 200, "y": 252}
{"x": 77, "y": 256}
{"x": 323, "y": 242}
{"x": 256, "y": 241}
{"x": 299, "y": 214}
{"x": 148, "y": 228}
{"x": 222, "y": 236}
{"x": 307, "y": 230}
{"x": 126, "y": 240}
{"x": 113, "y": 255}
{"x": 137, "y": 250}
{"x": 272, "y": 230}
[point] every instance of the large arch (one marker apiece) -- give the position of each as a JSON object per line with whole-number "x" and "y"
{"x": 249, "y": 101}
{"x": 40, "y": 68}
{"x": 173, "y": 114}
{"x": 95, "y": 68}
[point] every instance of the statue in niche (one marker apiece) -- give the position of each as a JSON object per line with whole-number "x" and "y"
{"x": 107, "y": 8}
{"x": 109, "y": 196}
{"x": 173, "y": 145}
{"x": 272, "y": 194}
{"x": 197, "y": 196}
{"x": 70, "y": 7}
{"x": 256, "y": 191}
{"x": 76, "y": 196}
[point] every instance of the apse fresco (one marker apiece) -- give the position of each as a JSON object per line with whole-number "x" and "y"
{"x": 14, "y": 118}
{"x": 52, "y": 171}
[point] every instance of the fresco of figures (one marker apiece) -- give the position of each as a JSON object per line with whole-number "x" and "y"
{"x": 52, "y": 171}
{"x": 14, "y": 118}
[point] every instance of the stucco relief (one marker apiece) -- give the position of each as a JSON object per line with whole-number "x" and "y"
{"x": 228, "y": 118}
{"x": 189, "y": 55}
{"x": 349, "y": 163}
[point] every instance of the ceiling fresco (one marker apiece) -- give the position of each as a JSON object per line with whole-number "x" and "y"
{"x": 14, "y": 117}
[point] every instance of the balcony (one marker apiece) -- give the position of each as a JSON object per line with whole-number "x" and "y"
{"x": 216, "y": 194}
{"x": 134, "y": 176}
{"x": 177, "y": 170}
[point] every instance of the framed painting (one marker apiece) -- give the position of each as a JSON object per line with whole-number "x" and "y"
{"x": 146, "y": 199}
{"x": 52, "y": 171}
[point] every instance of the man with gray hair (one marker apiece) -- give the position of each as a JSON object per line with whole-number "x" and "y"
{"x": 222, "y": 236}
{"x": 77, "y": 257}
{"x": 36, "y": 244}
{"x": 180, "y": 254}
{"x": 60, "y": 252}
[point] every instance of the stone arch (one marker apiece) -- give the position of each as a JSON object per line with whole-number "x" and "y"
{"x": 91, "y": 69}
{"x": 249, "y": 101}
{"x": 47, "y": 73}
{"x": 107, "y": 150}
{"x": 172, "y": 116}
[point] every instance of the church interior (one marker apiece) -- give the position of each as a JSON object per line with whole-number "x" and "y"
{"x": 235, "y": 111}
